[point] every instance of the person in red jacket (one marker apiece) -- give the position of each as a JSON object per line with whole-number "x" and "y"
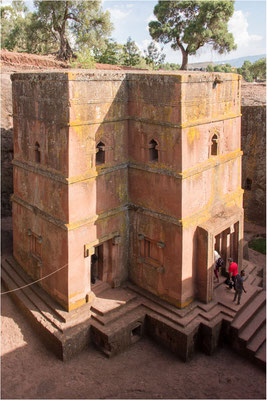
{"x": 233, "y": 271}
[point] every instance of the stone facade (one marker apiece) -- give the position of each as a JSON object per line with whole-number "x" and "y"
{"x": 141, "y": 169}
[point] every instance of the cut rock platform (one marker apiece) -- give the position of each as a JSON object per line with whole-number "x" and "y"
{"x": 118, "y": 317}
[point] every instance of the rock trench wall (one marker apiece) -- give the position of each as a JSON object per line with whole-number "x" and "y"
{"x": 253, "y": 143}
{"x": 6, "y": 144}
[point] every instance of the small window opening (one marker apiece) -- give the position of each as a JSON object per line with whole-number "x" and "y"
{"x": 214, "y": 145}
{"x": 147, "y": 248}
{"x": 248, "y": 184}
{"x": 36, "y": 246}
{"x": 37, "y": 153}
{"x": 153, "y": 151}
{"x": 100, "y": 153}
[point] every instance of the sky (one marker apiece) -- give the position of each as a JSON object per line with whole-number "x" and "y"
{"x": 130, "y": 19}
{"x": 248, "y": 25}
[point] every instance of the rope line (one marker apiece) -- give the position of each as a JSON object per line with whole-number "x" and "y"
{"x": 32, "y": 283}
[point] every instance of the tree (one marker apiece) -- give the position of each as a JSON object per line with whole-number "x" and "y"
{"x": 84, "y": 60}
{"x": 245, "y": 71}
{"x": 210, "y": 68}
{"x": 223, "y": 68}
{"x": 258, "y": 70}
{"x": 253, "y": 72}
{"x": 82, "y": 22}
{"x": 14, "y": 22}
{"x": 110, "y": 54}
{"x": 170, "y": 66}
{"x": 153, "y": 56}
{"x": 189, "y": 25}
{"x": 131, "y": 54}
{"x": 40, "y": 40}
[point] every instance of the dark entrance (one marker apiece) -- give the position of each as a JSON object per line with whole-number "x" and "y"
{"x": 97, "y": 264}
{"x": 100, "y": 267}
{"x": 226, "y": 244}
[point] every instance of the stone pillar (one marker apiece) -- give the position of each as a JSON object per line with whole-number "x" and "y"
{"x": 224, "y": 251}
{"x": 205, "y": 265}
{"x": 89, "y": 295}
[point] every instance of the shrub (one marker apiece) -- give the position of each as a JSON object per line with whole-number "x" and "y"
{"x": 258, "y": 245}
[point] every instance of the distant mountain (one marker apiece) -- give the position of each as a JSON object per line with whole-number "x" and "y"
{"x": 238, "y": 62}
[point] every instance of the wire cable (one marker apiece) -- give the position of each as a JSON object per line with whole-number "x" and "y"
{"x": 32, "y": 283}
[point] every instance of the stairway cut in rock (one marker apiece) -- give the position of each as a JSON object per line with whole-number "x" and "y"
{"x": 243, "y": 316}
{"x": 248, "y": 330}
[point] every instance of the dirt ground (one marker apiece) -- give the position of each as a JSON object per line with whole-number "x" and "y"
{"x": 12, "y": 62}
{"x": 146, "y": 370}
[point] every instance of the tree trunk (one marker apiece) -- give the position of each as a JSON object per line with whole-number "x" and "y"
{"x": 185, "y": 60}
{"x": 65, "y": 52}
{"x": 184, "y": 54}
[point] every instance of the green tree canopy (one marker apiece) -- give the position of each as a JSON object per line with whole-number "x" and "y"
{"x": 131, "y": 54}
{"x": 170, "y": 66}
{"x": 153, "y": 56}
{"x": 253, "y": 72}
{"x": 14, "y": 22}
{"x": 245, "y": 71}
{"x": 111, "y": 53}
{"x": 210, "y": 68}
{"x": 258, "y": 70}
{"x": 82, "y": 23}
{"x": 223, "y": 68}
{"x": 189, "y": 25}
{"x": 58, "y": 27}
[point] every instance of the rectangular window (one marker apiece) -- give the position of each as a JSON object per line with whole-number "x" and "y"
{"x": 36, "y": 246}
{"x": 151, "y": 252}
{"x": 147, "y": 248}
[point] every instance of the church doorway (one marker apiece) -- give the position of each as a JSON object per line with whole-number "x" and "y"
{"x": 224, "y": 233}
{"x": 101, "y": 263}
{"x": 226, "y": 244}
{"x": 97, "y": 265}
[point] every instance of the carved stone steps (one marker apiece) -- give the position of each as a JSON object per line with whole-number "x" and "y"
{"x": 245, "y": 314}
{"x": 65, "y": 339}
{"x": 114, "y": 315}
{"x": 260, "y": 356}
{"x": 248, "y": 329}
{"x": 120, "y": 316}
{"x": 13, "y": 281}
{"x": 17, "y": 270}
{"x": 258, "y": 339}
{"x": 254, "y": 324}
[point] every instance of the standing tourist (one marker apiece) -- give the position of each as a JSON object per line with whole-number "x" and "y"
{"x": 239, "y": 286}
{"x": 233, "y": 271}
{"x": 218, "y": 262}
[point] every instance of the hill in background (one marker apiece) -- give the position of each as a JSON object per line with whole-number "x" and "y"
{"x": 238, "y": 62}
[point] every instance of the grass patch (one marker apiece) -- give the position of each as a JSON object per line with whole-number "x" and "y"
{"x": 258, "y": 245}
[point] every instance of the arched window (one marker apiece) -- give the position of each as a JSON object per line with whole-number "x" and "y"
{"x": 100, "y": 154}
{"x": 214, "y": 145}
{"x": 153, "y": 151}
{"x": 37, "y": 153}
{"x": 248, "y": 184}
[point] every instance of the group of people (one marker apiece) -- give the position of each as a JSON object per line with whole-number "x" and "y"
{"x": 234, "y": 280}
